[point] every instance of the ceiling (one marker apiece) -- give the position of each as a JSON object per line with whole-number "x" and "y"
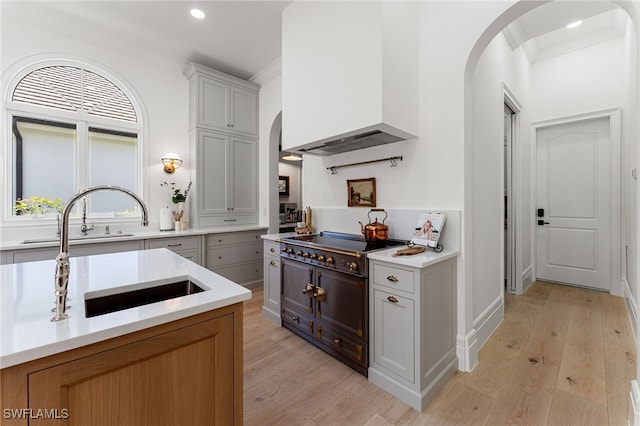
{"x": 237, "y": 37}
{"x": 542, "y": 33}
{"x": 243, "y": 38}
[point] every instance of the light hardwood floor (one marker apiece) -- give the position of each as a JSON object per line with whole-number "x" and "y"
{"x": 562, "y": 356}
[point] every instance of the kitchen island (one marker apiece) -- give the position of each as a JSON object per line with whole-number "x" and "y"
{"x": 177, "y": 361}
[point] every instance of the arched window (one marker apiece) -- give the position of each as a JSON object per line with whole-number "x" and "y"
{"x": 72, "y": 128}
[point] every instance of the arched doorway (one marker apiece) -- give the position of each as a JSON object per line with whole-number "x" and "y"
{"x": 488, "y": 313}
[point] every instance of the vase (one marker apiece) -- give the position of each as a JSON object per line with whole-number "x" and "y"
{"x": 179, "y": 213}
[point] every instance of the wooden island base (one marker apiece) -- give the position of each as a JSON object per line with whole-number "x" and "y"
{"x": 187, "y": 371}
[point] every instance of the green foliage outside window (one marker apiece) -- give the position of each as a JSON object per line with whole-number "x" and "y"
{"x": 38, "y": 206}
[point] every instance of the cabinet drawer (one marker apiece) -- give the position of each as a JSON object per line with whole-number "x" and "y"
{"x": 271, "y": 248}
{"x": 227, "y": 255}
{"x": 174, "y": 243}
{"x": 393, "y": 277}
{"x": 293, "y": 319}
{"x": 234, "y": 238}
{"x": 243, "y": 273}
{"x": 227, "y": 220}
{"x": 341, "y": 343}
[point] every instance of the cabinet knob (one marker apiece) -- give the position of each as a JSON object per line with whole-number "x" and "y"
{"x": 392, "y": 299}
{"x": 338, "y": 341}
{"x": 272, "y": 250}
{"x": 392, "y": 278}
{"x": 272, "y": 263}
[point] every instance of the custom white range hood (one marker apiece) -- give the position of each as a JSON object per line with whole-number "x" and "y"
{"x": 350, "y": 75}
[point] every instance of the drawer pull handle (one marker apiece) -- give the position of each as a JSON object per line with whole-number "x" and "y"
{"x": 392, "y": 278}
{"x": 230, "y": 220}
{"x": 272, "y": 263}
{"x": 392, "y": 299}
{"x": 174, "y": 245}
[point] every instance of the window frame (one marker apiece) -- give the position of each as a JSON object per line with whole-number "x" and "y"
{"x": 83, "y": 122}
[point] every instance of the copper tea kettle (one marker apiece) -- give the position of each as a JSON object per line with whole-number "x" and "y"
{"x": 375, "y": 233}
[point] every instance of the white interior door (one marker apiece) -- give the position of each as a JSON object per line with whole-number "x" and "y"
{"x": 572, "y": 236}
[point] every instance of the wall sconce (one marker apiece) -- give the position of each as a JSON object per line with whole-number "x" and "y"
{"x": 171, "y": 162}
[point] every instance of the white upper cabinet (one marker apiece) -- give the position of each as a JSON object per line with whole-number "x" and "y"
{"x": 222, "y": 102}
{"x": 223, "y": 121}
{"x": 349, "y": 68}
{"x": 227, "y": 176}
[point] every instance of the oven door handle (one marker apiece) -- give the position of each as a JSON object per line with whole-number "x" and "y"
{"x": 309, "y": 290}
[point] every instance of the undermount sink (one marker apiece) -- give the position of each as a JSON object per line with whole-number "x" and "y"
{"x": 87, "y": 237}
{"x": 130, "y": 299}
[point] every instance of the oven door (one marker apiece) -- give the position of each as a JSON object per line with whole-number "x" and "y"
{"x": 343, "y": 304}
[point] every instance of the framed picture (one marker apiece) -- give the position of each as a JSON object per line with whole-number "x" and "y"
{"x": 283, "y": 185}
{"x": 361, "y": 192}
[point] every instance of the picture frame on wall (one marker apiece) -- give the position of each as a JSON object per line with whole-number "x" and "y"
{"x": 361, "y": 192}
{"x": 283, "y": 185}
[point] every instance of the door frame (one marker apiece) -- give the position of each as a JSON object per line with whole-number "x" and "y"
{"x": 515, "y": 201}
{"x": 613, "y": 114}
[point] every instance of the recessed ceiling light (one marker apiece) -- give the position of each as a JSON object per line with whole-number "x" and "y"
{"x": 574, "y": 24}
{"x": 197, "y": 13}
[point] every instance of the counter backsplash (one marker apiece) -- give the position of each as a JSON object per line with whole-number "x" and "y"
{"x": 401, "y": 222}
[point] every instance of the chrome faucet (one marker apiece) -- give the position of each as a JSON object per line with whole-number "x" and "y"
{"x": 84, "y": 228}
{"x": 62, "y": 260}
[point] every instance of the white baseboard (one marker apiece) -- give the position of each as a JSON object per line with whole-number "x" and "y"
{"x": 489, "y": 320}
{"x": 527, "y": 278}
{"x": 632, "y": 307}
{"x": 274, "y": 317}
{"x": 634, "y": 406}
{"x": 467, "y": 351}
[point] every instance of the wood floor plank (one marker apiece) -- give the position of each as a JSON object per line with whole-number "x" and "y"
{"x": 551, "y": 333}
{"x": 582, "y": 365}
{"x": 527, "y": 397}
{"x": 618, "y": 377}
{"x": 571, "y": 410}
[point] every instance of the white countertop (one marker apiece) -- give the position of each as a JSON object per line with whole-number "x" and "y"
{"x": 17, "y": 244}
{"x": 276, "y": 237}
{"x": 420, "y": 260}
{"x": 27, "y": 296}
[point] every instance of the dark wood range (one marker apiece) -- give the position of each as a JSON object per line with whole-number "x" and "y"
{"x": 325, "y": 294}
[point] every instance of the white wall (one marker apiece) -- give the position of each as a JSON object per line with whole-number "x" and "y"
{"x": 295, "y": 183}
{"x": 498, "y": 66}
{"x": 160, "y": 87}
{"x": 270, "y": 126}
{"x": 584, "y": 80}
{"x": 629, "y": 153}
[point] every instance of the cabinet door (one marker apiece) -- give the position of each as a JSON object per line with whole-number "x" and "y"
{"x": 394, "y": 334}
{"x": 213, "y": 103}
{"x": 213, "y": 173}
{"x": 244, "y": 112}
{"x": 179, "y": 377}
{"x": 272, "y": 284}
{"x": 245, "y": 176}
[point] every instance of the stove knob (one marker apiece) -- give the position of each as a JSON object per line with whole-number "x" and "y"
{"x": 289, "y": 251}
{"x": 305, "y": 254}
{"x": 299, "y": 253}
{"x": 313, "y": 256}
{"x": 330, "y": 260}
{"x": 353, "y": 266}
{"x": 283, "y": 250}
{"x": 321, "y": 258}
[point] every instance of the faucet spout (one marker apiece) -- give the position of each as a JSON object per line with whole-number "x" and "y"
{"x": 62, "y": 260}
